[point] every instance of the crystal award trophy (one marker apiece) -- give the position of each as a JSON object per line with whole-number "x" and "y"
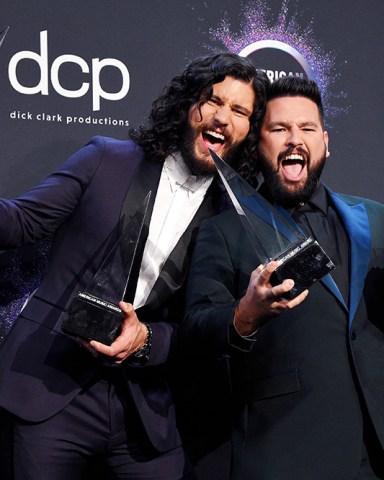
{"x": 94, "y": 314}
{"x": 274, "y": 235}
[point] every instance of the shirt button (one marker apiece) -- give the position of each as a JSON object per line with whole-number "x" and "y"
{"x": 353, "y": 335}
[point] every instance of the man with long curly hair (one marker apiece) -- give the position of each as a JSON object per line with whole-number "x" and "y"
{"x": 73, "y": 400}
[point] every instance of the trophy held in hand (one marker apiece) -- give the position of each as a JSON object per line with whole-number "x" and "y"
{"x": 274, "y": 235}
{"x": 94, "y": 314}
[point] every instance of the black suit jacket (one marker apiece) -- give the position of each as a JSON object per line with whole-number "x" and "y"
{"x": 300, "y": 387}
{"x": 41, "y": 368}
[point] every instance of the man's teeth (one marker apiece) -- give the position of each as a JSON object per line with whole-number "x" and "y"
{"x": 217, "y": 135}
{"x": 294, "y": 157}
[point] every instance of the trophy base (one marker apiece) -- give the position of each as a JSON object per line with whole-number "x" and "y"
{"x": 305, "y": 264}
{"x": 92, "y": 318}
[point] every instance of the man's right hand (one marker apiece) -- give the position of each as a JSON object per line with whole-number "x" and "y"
{"x": 262, "y": 300}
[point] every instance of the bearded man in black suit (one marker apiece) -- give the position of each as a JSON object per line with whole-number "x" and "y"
{"x": 307, "y": 373}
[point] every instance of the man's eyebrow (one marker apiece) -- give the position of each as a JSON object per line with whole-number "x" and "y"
{"x": 234, "y": 106}
{"x": 215, "y": 97}
{"x": 276, "y": 123}
{"x": 309, "y": 123}
{"x": 282, "y": 123}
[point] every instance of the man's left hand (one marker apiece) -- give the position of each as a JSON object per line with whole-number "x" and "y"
{"x": 132, "y": 337}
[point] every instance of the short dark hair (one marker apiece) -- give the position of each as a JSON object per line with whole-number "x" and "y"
{"x": 296, "y": 87}
{"x": 170, "y": 111}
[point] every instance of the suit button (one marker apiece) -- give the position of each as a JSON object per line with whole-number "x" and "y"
{"x": 353, "y": 335}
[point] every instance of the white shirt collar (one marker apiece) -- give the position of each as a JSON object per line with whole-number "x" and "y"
{"x": 179, "y": 175}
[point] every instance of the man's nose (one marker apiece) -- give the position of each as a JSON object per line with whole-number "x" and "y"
{"x": 294, "y": 137}
{"x": 222, "y": 114}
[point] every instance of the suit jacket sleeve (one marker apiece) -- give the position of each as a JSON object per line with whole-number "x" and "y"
{"x": 39, "y": 212}
{"x": 214, "y": 287}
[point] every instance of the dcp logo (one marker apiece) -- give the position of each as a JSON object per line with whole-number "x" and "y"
{"x": 94, "y": 84}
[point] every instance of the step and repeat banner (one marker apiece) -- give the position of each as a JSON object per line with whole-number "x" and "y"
{"x": 70, "y": 70}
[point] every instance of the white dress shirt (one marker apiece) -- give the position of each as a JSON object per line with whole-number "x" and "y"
{"x": 178, "y": 198}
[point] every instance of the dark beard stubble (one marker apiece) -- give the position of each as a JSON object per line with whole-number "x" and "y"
{"x": 198, "y": 167}
{"x": 275, "y": 189}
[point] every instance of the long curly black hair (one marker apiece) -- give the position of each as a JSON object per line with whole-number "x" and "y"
{"x": 170, "y": 111}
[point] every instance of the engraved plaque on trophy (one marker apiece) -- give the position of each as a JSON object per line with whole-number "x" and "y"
{"x": 94, "y": 314}
{"x": 274, "y": 235}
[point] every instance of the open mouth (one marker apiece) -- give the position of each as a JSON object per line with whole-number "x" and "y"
{"x": 293, "y": 166}
{"x": 213, "y": 140}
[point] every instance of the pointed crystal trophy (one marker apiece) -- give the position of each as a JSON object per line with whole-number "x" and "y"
{"x": 94, "y": 314}
{"x": 274, "y": 235}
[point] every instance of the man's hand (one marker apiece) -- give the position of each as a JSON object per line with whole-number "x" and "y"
{"x": 262, "y": 300}
{"x": 132, "y": 337}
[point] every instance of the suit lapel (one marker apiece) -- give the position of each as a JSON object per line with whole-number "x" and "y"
{"x": 356, "y": 223}
{"x": 328, "y": 281}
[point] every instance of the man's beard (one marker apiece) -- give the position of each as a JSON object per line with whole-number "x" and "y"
{"x": 275, "y": 189}
{"x": 205, "y": 166}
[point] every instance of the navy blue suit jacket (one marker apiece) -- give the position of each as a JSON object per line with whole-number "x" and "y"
{"x": 299, "y": 387}
{"x": 41, "y": 368}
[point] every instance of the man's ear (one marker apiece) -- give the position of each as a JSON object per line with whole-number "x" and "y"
{"x": 326, "y": 141}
